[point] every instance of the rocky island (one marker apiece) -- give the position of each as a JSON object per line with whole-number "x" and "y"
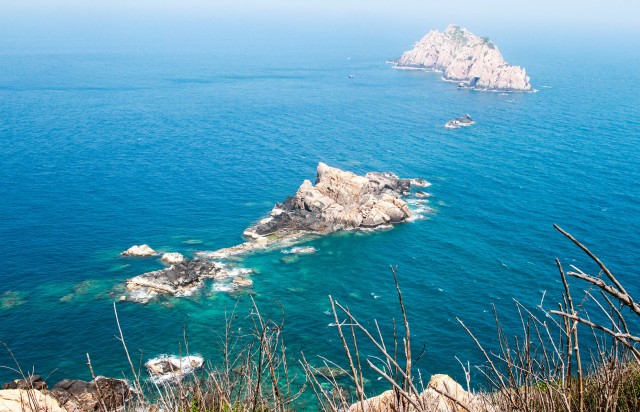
{"x": 339, "y": 200}
{"x": 474, "y": 62}
{"x": 458, "y": 122}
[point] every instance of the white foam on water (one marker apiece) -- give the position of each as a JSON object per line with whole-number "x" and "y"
{"x": 300, "y": 250}
{"x": 182, "y": 366}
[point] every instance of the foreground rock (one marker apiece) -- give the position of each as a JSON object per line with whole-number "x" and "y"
{"x": 339, "y": 200}
{"x": 31, "y": 382}
{"x": 139, "y": 251}
{"x": 173, "y": 368}
{"x": 461, "y": 56}
{"x": 81, "y": 396}
{"x": 28, "y": 400}
{"x": 431, "y": 399}
{"x": 180, "y": 279}
{"x": 458, "y": 122}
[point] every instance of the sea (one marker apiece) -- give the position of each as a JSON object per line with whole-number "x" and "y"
{"x": 182, "y": 144}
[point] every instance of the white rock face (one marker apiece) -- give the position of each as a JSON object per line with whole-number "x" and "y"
{"x": 429, "y": 400}
{"x": 467, "y": 58}
{"x": 172, "y": 258}
{"x": 139, "y": 250}
{"x": 22, "y": 400}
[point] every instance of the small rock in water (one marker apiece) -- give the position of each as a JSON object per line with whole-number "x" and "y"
{"x": 173, "y": 368}
{"x": 172, "y": 258}
{"x": 422, "y": 195}
{"x": 242, "y": 281}
{"x": 139, "y": 250}
{"x": 458, "y": 122}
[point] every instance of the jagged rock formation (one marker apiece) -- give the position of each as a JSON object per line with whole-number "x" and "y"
{"x": 458, "y": 122}
{"x": 461, "y": 56}
{"x": 339, "y": 200}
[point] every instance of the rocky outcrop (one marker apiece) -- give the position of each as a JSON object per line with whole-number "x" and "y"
{"x": 30, "y": 382}
{"x": 459, "y": 122}
{"x": 338, "y": 200}
{"x": 461, "y": 56}
{"x": 139, "y": 251}
{"x": 178, "y": 279}
{"x": 442, "y": 394}
{"x": 81, "y": 396}
{"x": 173, "y": 368}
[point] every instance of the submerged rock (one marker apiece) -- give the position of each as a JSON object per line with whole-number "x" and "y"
{"x": 300, "y": 250}
{"x": 11, "y": 299}
{"x": 178, "y": 279}
{"x": 139, "y": 251}
{"x": 173, "y": 368}
{"x": 458, "y": 122}
{"x": 475, "y": 62}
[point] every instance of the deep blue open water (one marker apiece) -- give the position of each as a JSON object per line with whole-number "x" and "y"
{"x": 183, "y": 149}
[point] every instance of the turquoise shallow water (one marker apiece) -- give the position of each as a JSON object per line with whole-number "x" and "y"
{"x": 184, "y": 149}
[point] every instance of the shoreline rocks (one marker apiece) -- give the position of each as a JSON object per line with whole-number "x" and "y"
{"x": 471, "y": 61}
{"x": 458, "y": 122}
{"x": 139, "y": 251}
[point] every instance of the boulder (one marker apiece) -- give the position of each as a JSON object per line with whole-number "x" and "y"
{"x": 81, "y": 396}
{"x": 28, "y": 400}
{"x": 139, "y": 251}
{"x": 242, "y": 282}
{"x": 431, "y": 399}
{"x": 30, "y": 382}
{"x": 172, "y": 258}
{"x": 472, "y": 61}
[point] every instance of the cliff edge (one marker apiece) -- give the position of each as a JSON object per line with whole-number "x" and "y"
{"x": 475, "y": 62}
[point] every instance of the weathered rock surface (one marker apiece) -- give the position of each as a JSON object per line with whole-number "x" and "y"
{"x": 178, "y": 279}
{"x": 173, "y": 258}
{"x": 81, "y": 396}
{"x": 458, "y": 122}
{"x": 173, "y": 368}
{"x": 31, "y": 382}
{"x": 339, "y": 200}
{"x": 139, "y": 251}
{"x": 28, "y": 400}
{"x": 431, "y": 399}
{"x": 461, "y": 56}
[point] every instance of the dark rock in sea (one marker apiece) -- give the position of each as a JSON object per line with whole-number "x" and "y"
{"x": 458, "y": 122}
{"x": 178, "y": 279}
{"x": 31, "y": 382}
{"x": 82, "y": 396}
